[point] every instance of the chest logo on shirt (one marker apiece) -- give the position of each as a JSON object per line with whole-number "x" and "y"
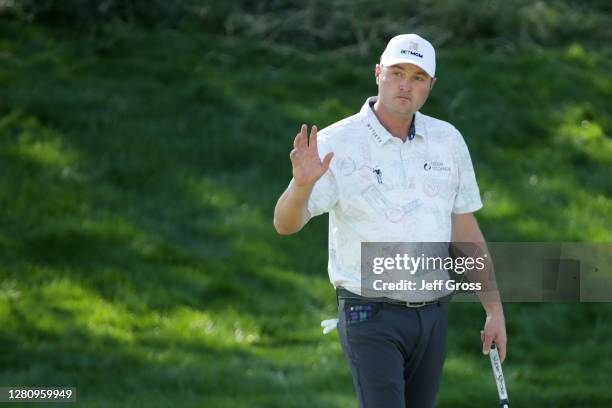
{"x": 436, "y": 166}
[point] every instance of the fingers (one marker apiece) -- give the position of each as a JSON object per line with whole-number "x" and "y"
{"x": 501, "y": 348}
{"x": 304, "y": 136}
{"x": 296, "y": 141}
{"x": 326, "y": 160}
{"x": 487, "y": 339}
{"x": 313, "y": 137}
{"x": 301, "y": 139}
{"x": 500, "y": 343}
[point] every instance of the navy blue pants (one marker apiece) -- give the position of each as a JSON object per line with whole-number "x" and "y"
{"x": 395, "y": 353}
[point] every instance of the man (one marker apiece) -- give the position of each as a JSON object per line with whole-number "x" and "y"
{"x": 396, "y": 176}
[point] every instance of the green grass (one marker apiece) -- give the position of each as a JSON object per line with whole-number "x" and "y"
{"x": 138, "y": 175}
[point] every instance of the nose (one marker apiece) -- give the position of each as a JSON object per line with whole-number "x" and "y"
{"x": 405, "y": 85}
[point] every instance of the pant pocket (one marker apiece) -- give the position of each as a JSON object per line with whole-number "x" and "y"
{"x": 358, "y": 312}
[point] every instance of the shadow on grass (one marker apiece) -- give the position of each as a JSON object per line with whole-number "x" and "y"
{"x": 149, "y": 365}
{"x": 140, "y": 182}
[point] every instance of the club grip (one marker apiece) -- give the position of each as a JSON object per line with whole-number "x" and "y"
{"x": 499, "y": 376}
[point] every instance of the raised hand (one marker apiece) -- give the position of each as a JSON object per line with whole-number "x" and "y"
{"x": 307, "y": 166}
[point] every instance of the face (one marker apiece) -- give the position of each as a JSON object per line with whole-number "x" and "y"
{"x": 402, "y": 88}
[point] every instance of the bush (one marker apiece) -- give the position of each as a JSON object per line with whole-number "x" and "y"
{"x": 85, "y": 14}
{"x": 360, "y": 25}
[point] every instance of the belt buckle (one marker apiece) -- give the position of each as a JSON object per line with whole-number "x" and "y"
{"x": 415, "y": 304}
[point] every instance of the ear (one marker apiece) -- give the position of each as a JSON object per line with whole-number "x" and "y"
{"x": 377, "y": 72}
{"x": 433, "y": 81}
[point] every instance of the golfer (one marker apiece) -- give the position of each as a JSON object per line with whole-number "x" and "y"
{"x": 390, "y": 174}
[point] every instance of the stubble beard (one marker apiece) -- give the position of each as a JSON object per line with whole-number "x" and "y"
{"x": 401, "y": 110}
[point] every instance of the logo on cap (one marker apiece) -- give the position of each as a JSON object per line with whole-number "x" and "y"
{"x": 416, "y": 54}
{"x": 410, "y": 48}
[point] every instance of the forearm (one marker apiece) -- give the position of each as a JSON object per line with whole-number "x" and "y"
{"x": 291, "y": 211}
{"x": 489, "y": 294}
{"x": 466, "y": 230}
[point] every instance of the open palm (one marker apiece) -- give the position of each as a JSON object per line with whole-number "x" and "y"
{"x": 307, "y": 166}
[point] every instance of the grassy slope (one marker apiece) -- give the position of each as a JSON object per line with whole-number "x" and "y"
{"x": 139, "y": 173}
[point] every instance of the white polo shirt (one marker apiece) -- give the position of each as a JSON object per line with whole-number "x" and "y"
{"x": 380, "y": 189}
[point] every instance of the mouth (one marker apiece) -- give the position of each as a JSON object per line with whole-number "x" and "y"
{"x": 404, "y": 98}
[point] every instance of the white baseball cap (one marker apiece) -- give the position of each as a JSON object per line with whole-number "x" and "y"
{"x": 411, "y": 49}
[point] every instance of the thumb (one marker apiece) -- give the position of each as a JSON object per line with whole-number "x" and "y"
{"x": 327, "y": 160}
{"x": 486, "y": 343}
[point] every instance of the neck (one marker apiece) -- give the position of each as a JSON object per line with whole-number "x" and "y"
{"x": 397, "y": 125}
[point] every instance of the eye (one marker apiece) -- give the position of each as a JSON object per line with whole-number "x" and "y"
{"x": 420, "y": 78}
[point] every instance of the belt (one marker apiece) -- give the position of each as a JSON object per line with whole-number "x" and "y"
{"x": 342, "y": 293}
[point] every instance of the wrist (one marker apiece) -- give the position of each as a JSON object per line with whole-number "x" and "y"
{"x": 303, "y": 186}
{"x": 493, "y": 309}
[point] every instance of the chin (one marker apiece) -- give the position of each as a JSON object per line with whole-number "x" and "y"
{"x": 403, "y": 110}
{"x": 404, "y": 105}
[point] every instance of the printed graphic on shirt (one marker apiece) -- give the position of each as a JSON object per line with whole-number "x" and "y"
{"x": 381, "y": 189}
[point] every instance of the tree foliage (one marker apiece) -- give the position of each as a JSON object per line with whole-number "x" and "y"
{"x": 337, "y": 24}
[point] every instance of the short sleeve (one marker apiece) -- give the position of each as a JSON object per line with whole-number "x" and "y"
{"x": 467, "y": 198}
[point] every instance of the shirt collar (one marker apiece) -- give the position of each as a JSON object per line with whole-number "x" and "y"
{"x": 378, "y": 131}
{"x": 420, "y": 129}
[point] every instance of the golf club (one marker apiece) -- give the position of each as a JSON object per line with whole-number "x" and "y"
{"x": 499, "y": 377}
